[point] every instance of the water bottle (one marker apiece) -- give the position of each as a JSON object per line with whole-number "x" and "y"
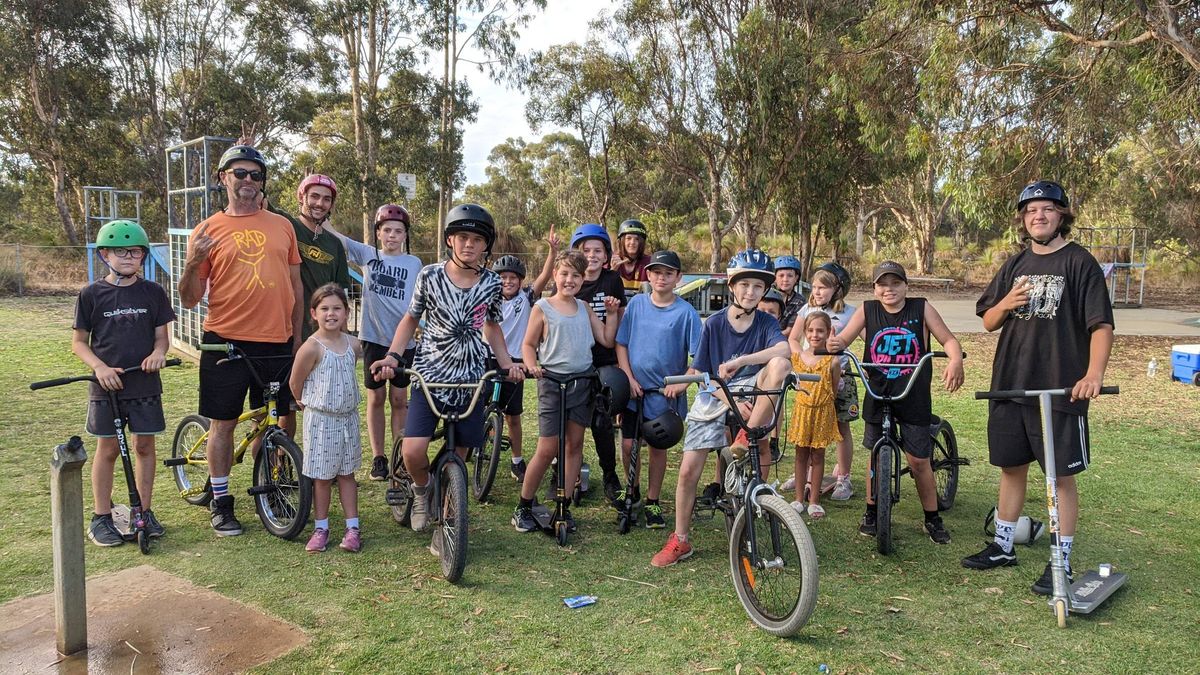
{"x": 1152, "y": 368}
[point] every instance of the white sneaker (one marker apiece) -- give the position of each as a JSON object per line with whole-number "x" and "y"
{"x": 419, "y": 518}
{"x": 842, "y": 491}
{"x": 789, "y": 484}
{"x": 800, "y": 507}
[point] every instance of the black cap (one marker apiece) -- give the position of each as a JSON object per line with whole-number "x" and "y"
{"x": 665, "y": 259}
{"x": 888, "y": 267}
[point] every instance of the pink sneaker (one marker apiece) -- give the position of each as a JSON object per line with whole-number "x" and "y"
{"x": 740, "y": 445}
{"x": 318, "y": 541}
{"x": 352, "y": 542}
{"x": 672, "y": 552}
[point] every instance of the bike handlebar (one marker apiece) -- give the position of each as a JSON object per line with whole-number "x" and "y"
{"x": 788, "y": 383}
{"x": 58, "y": 382}
{"x": 1030, "y": 393}
{"x": 859, "y": 365}
{"x": 489, "y": 376}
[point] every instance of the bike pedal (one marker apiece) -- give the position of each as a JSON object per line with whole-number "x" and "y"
{"x": 260, "y": 490}
{"x": 395, "y": 496}
{"x": 175, "y": 461}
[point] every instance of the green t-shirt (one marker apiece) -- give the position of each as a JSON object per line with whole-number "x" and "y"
{"x": 322, "y": 261}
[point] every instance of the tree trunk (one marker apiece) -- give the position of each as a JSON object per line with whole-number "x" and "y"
{"x": 716, "y": 235}
{"x": 60, "y": 201}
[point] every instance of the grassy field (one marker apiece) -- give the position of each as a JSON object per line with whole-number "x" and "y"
{"x": 388, "y": 609}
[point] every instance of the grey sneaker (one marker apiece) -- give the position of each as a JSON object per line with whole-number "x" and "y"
{"x": 103, "y": 532}
{"x": 154, "y": 527}
{"x": 523, "y": 519}
{"x": 224, "y": 523}
{"x": 379, "y": 468}
{"x": 842, "y": 490}
{"x": 420, "y": 508}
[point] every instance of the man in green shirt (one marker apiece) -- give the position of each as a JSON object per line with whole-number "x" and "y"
{"x": 322, "y": 256}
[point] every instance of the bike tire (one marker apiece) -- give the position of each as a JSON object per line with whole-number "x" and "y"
{"x": 884, "y": 487}
{"x": 398, "y": 479}
{"x": 779, "y": 599}
{"x": 945, "y": 464}
{"x": 487, "y": 458}
{"x": 284, "y": 507}
{"x": 192, "y": 478}
{"x": 454, "y": 522}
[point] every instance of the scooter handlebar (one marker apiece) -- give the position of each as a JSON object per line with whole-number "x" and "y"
{"x": 699, "y": 378}
{"x": 1029, "y": 393}
{"x": 58, "y": 382}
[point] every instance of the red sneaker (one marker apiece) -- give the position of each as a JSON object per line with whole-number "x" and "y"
{"x": 672, "y": 552}
{"x": 740, "y": 445}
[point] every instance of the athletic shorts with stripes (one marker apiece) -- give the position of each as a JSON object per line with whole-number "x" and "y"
{"x": 1015, "y": 438}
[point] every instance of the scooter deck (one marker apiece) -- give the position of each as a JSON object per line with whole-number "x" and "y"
{"x": 120, "y": 516}
{"x": 1092, "y": 590}
{"x": 544, "y": 517}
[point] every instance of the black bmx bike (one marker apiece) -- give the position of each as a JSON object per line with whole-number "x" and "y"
{"x": 886, "y": 469}
{"x": 448, "y": 473}
{"x": 771, "y": 554}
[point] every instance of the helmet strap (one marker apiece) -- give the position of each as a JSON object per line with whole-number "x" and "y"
{"x": 120, "y": 277}
{"x": 1044, "y": 242}
{"x": 745, "y": 312}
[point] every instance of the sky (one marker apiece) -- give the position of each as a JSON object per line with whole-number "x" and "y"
{"x": 501, "y": 109}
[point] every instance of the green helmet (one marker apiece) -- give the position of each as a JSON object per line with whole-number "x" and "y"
{"x": 632, "y": 226}
{"x": 122, "y": 234}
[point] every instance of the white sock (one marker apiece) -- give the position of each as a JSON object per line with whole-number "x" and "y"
{"x": 1064, "y": 545}
{"x": 1004, "y": 534}
{"x": 351, "y": 523}
{"x": 323, "y": 524}
{"x": 517, "y": 460}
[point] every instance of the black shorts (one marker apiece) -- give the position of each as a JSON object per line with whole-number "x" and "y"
{"x": 629, "y": 422}
{"x": 916, "y": 438}
{"x": 372, "y": 353}
{"x": 223, "y": 387}
{"x": 1015, "y": 438}
{"x": 579, "y": 402}
{"x": 422, "y": 422}
{"x": 512, "y": 394}
{"x": 144, "y": 417}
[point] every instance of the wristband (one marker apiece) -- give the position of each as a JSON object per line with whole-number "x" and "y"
{"x": 399, "y": 358}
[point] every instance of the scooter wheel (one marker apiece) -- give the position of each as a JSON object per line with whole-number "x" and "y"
{"x": 1060, "y": 613}
{"x": 143, "y": 540}
{"x": 577, "y": 496}
{"x": 623, "y": 523}
{"x": 560, "y": 533}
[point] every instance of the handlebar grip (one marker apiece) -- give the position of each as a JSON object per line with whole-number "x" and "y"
{"x": 1110, "y": 390}
{"x": 826, "y": 352}
{"x": 685, "y": 379}
{"x": 806, "y": 377}
{"x": 213, "y": 347}
{"x": 52, "y": 383}
{"x": 172, "y": 362}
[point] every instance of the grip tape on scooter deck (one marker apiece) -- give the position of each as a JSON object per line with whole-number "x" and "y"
{"x": 1090, "y": 591}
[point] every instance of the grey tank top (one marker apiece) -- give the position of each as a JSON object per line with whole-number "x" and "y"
{"x": 568, "y": 344}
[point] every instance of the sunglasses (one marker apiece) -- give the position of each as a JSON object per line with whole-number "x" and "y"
{"x": 256, "y": 175}
{"x": 136, "y": 252}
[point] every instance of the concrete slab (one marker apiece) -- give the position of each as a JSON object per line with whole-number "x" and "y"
{"x": 960, "y": 317}
{"x": 143, "y": 620}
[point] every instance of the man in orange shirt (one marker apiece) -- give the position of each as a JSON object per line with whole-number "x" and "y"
{"x": 246, "y": 258}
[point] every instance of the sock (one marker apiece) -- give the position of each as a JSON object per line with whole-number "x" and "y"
{"x": 1064, "y": 545}
{"x": 322, "y": 524}
{"x": 681, "y": 538}
{"x": 517, "y": 460}
{"x": 352, "y": 523}
{"x": 872, "y": 509}
{"x": 420, "y": 489}
{"x": 931, "y": 516}
{"x": 525, "y": 503}
{"x": 1004, "y": 534}
{"x": 220, "y": 486}
{"x": 651, "y": 502}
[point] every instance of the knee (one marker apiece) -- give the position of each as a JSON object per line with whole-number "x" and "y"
{"x": 777, "y": 369}
{"x": 375, "y": 398}
{"x": 144, "y": 446}
{"x": 918, "y": 464}
{"x": 399, "y": 400}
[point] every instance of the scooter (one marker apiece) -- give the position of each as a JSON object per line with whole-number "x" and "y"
{"x": 1095, "y": 586}
{"x": 555, "y": 522}
{"x": 627, "y": 517}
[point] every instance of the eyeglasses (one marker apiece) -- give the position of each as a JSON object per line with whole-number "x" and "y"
{"x": 136, "y": 252}
{"x": 256, "y": 175}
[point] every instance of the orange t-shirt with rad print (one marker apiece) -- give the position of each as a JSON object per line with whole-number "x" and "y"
{"x": 248, "y": 270}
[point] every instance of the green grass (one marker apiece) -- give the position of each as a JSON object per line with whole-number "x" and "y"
{"x": 388, "y": 609}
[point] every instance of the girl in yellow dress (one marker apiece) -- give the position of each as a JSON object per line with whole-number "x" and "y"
{"x": 814, "y": 425}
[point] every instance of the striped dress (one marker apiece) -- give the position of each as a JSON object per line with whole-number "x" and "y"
{"x": 332, "y": 443}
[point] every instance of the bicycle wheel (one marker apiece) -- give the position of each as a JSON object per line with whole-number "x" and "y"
{"x": 400, "y": 484}
{"x": 780, "y": 592}
{"x": 192, "y": 478}
{"x": 454, "y": 520}
{"x": 282, "y": 494}
{"x": 487, "y": 458}
{"x": 884, "y": 485}
{"x": 945, "y": 464}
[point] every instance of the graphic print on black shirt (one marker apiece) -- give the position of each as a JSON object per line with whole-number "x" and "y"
{"x": 901, "y": 338}
{"x": 592, "y": 293}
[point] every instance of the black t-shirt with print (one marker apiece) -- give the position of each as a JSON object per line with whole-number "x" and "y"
{"x": 121, "y": 321}
{"x": 901, "y": 338}
{"x": 592, "y": 293}
{"x": 1047, "y": 343}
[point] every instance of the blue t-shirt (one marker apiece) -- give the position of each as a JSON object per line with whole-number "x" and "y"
{"x": 659, "y": 340}
{"x": 719, "y": 342}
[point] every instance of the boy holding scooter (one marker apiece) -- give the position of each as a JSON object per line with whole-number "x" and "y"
{"x": 1051, "y": 305}
{"x": 121, "y": 321}
{"x": 657, "y": 335}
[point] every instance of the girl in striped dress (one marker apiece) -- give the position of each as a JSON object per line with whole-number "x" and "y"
{"x": 326, "y": 390}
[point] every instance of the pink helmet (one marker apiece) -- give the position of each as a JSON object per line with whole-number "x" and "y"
{"x": 393, "y": 212}
{"x": 315, "y": 179}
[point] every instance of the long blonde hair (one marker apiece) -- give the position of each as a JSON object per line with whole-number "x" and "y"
{"x": 838, "y": 302}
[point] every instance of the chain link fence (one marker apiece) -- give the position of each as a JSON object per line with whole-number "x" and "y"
{"x": 26, "y": 269}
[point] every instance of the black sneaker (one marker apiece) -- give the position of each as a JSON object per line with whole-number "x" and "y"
{"x": 103, "y": 532}
{"x": 710, "y": 495}
{"x": 867, "y": 527}
{"x": 153, "y": 527}
{"x": 1045, "y": 583}
{"x": 379, "y": 468}
{"x": 224, "y": 523}
{"x": 776, "y": 453}
{"x": 937, "y": 531}
{"x": 991, "y": 557}
{"x": 517, "y": 470}
{"x": 654, "y": 517}
{"x": 612, "y": 486}
{"x": 523, "y": 519}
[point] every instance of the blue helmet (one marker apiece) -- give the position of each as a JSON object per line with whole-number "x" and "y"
{"x": 1043, "y": 189}
{"x": 787, "y": 262}
{"x": 753, "y": 263}
{"x": 591, "y": 231}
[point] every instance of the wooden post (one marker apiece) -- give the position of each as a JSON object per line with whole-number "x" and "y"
{"x": 66, "y": 513}
{"x": 20, "y": 273}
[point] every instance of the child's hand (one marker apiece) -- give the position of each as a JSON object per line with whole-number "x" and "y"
{"x": 300, "y": 405}
{"x": 515, "y": 373}
{"x": 611, "y": 305}
{"x": 534, "y": 371}
{"x": 154, "y": 362}
{"x": 834, "y": 344}
{"x": 1018, "y": 297}
{"x": 109, "y": 378}
{"x": 635, "y": 389}
{"x": 952, "y": 377}
{"x": 673, "y": 391}
{"x": 727, "y": 370}
{"x": 552, "y": 239}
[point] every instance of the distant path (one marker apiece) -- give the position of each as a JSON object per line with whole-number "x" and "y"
{"x": 959, "y": 314}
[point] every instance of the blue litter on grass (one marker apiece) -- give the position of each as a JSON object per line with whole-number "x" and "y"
{"x": 580, "y": 601}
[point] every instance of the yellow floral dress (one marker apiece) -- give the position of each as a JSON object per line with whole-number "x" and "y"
{"x": 814, "y": 419}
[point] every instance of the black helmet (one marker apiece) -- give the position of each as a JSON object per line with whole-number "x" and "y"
{"x": 840, "y": 273}
{"x": 471, "y": 218}
{"x": 242, "y": 152}
{"x": 509, "y": 263}
{"x": 632, "y": 226}
{"x": 773, "y": 295}
{"x": 613, "y": 379}
{"x": 1043, "y": 189}
{"x": 663, "y": 431}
